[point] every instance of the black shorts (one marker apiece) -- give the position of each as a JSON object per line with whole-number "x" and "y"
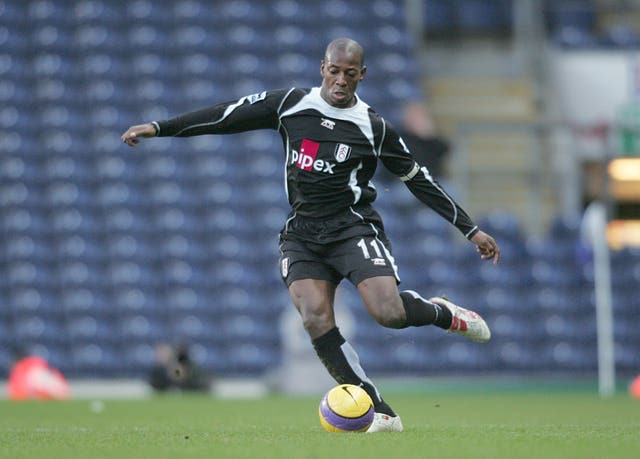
{"x": 361, "y": 253}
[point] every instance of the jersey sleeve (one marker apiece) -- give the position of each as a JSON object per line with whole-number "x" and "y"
{"x": 256, "y": 111}
{"x": 397, "y": 158}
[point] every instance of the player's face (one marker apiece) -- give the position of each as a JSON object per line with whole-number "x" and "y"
{"x": 341, "y": 72}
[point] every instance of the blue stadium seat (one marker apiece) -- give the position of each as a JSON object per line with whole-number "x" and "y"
{"x": 387, "y": 11}
{"x": 137, "y": 359}
{"x": 26, "y": 273}
{"x": 80, "y": 272}
{"x": 27, "y": 247}
{"x": 27, "y": 302}
{"x": 189, "y": 248}
{"x": 102, "y": 11}
{"x": 252, "y": 359}
{"x": 97, "y": 360}
{"x": 439, "y": 16}
{"x": 519, "y": 355}
{"x": 295, "y": 12}
{"x": 552, "y": 274}
{"x": 579, "y": 14}
{"x": 484, "y": 16}
{"x": 93, "y": 301}
{"x": 561, "y": 299}
{"x": 508, "y": 326}
{"x": 627, "y": 357}
{"x": 574, "y": 38}
{"x": 137, "y": 300}
{"x": 51, "y": 38}
{"x": 194, "y": 328}
{"x": 182, "y": 299}
{"x": 210, "y": 358}
{"x": 141, "y": 328}
{"x": 84, "y": 329}
{"x": 244, "y": 328}
{"x": 17, "y": 221}
{"x": 35, "y": 329}
{"x": 13, "y": 13}
{"x": 566, "y": 355}
{"x": 125, "y": 219}
{"x": 6, "y": 362}
{"x": 129, "y": 246}
{"x": 560, "y": 326}
{"x": 244, "y": 11}
{"x": 552, "y": 250}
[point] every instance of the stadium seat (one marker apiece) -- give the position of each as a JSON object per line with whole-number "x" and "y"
{"x": 439, "y": 16}
{"x": 6, "y": 362}
{"x": 94, "y": 301}
{"x": 36, "y": 329}
{"x": 518, "y": 355}
{"x": 187, "y": 298}
{"x": 580, "y": 14}
{"x": 83, "y": 329}
{"x": 251, "y": 359}
{"x": 484, "y": 16}
{"x": 27, "y": 302}
{"x": 97, "y": 360}
{"x": 574, "y": 38}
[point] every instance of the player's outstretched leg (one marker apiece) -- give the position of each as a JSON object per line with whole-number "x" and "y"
{"x": 342, "y": 362}
{"x": 444, "y": 314}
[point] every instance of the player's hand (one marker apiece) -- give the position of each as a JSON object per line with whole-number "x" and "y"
{"x": 135, "y": 133}
{"x": 486, "y": 246}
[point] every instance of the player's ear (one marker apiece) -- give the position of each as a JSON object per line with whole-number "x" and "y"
{"x": 362, "y": 72}
{"x": 322, "y": 68}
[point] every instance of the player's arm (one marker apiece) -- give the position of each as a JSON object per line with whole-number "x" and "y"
{"x": 257, "y": 111}
{"x": 397, "y": 158}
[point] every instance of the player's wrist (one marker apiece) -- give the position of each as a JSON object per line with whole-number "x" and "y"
{"x": 156, "y": 128}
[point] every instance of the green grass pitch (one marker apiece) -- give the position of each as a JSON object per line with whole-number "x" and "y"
{"x": 471, "y": 425}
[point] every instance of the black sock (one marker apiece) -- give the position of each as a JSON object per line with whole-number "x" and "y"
{"x": 343, "y": 364}
{"x": 422, "y": 312}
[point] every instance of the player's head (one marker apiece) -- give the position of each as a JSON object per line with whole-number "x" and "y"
{"x": 342, "y": 69}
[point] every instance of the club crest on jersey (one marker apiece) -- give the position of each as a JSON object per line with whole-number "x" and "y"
{"x": 328, "y": 123}
{"x": 342, "y": 152}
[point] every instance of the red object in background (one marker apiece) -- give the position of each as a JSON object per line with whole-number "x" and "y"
{"x": 33, "y": 378}
{"x": 634, "y": 388}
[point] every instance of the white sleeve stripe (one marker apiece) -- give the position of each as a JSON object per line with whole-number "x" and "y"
{"x": 471, "y": 231}
{"x": 428, "y": 176}
{"x": 384, "y": 133}
{"x": 226, "y": 113}
{"x": 157, "y": 126}
{"x": 411, "y": 174}
{"x": 284, "y": 99}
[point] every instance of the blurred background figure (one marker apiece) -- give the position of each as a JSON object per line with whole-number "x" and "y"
{"x": 32, "y": 378}
{"x": 174, "y": 370}
{"x": 419, "y": 132}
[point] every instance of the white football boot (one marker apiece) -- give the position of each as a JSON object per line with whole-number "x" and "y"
{"x": 385, "y": 423}
{"x": 465, "y": 322}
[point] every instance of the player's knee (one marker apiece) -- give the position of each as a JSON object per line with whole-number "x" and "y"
{"x": 316, "y": 318}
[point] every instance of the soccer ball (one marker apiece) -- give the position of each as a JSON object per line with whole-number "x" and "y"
{"x": 346, "y": 408}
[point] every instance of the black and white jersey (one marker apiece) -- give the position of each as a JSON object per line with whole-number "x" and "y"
{"x": 331, "y": 153}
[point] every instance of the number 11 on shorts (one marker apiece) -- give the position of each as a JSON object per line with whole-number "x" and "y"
{"x": 365, "y": 251}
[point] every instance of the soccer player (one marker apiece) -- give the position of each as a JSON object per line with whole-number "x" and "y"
{"x": 332, "y": 143}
